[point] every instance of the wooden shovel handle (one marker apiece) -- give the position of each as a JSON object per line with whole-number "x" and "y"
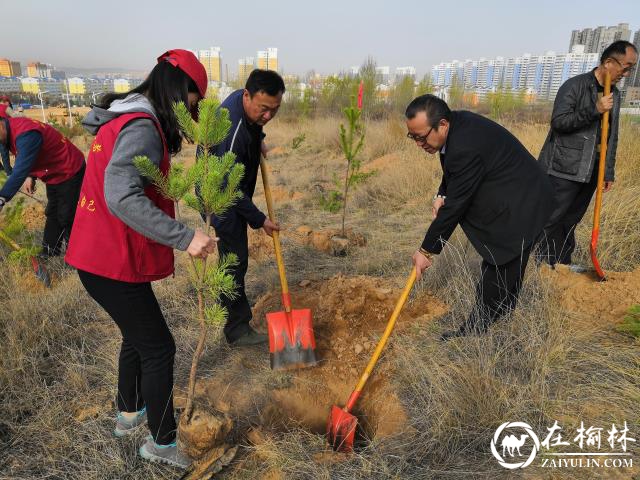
{"x": 286, "y": 299}
{"x": 604, "y": 135}
{"x": 383, "y": 341}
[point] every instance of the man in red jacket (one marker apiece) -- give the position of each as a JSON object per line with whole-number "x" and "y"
{"x": 41, "y": 152}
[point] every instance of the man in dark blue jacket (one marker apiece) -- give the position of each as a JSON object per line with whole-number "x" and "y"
{"x": 249, "y": 110}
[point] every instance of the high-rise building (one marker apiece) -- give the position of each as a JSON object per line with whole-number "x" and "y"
{"x": 38, "y": 70}
{"x": 595, "y": 40}
{"x": 634, "y": 78}
{"x": 539, "y": 76}
{"x": 212, "y": 61}
{"x": 383, "y": 75}
{"x": 569, "y": 65}
{"x": 268, "y": 59}
{"x": 9, "y": 68}
{"x": 402, "y": 72}
{"x": 10, "y": 85}
{"x": 245, "y": 66}
{"x": 42, "y": 85}
{"x": 77, "y": 86}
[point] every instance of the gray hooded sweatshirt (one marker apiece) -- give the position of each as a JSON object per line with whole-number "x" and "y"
{"x": 123, "y": 184}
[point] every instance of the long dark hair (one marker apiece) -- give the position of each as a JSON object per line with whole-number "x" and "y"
{"x": 164, "y": 86}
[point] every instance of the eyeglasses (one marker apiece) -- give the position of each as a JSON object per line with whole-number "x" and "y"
{"x": 624, "y": 69}
{"x": 419, "y": 138}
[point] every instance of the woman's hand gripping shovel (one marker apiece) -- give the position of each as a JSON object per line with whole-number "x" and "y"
{"x": 292, "y": 344}
{"x": 341, "y": 429}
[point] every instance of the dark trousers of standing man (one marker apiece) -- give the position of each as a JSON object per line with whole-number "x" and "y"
{"x": 497, "y": 292}
{"x": 572, "y": 201}
{"x": 62, "y": 200}
{"x": 145, "y": 366}
{"x": 232, "y": 231}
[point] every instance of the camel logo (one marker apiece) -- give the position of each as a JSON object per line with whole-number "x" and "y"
{"x": 511, "y": 445}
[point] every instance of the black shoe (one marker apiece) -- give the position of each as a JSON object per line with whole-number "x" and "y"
{"x": 463, "y": 331}
{"x": 250, "y": 338}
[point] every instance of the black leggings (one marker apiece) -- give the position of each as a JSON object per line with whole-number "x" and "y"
{"x": 145, "y": 370}
{"x": 62, "y": 200}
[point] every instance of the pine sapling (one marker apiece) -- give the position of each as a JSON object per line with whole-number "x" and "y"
{"x": 351, "y": 143}
{"x": 216, "y": 180}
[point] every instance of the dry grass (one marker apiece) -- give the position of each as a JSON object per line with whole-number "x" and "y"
{"x": 57, "y": 368}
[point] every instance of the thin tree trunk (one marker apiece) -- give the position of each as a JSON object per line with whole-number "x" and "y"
{"x": 196, "y": 357}
{"x": 203, "y": 331}
{"x": 344, "y": 198}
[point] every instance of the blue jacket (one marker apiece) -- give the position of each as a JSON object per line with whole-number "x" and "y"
{"x": 244, "y": 139}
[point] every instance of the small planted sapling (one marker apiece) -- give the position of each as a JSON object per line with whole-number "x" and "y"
{"x": 216, "y": 180}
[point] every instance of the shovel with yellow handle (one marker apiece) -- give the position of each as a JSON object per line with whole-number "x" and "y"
{"x": 292, "y": 344}
{"x": 341, "y": 429}
{"x": 601, "y": 167}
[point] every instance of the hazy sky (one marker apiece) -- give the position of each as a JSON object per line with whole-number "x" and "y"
{"x": 325, "y": 35}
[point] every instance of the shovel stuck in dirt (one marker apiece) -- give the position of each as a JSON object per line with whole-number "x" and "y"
{"x": 38, "y": 268}
{"x": 604, "y": 134}
{"x": 292, "y": 343}
{"x": 341, "y": 429}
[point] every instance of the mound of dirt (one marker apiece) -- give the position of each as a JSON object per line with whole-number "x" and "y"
{"x": 33, "y": 216}
{"x": 349, "y": 315}
{"x": 261, "y": 245}
{"x": 583, "y": 293}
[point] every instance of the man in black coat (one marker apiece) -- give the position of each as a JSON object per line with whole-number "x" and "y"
{"x": 494, "y": 189}
{"x": 571, "y": 151}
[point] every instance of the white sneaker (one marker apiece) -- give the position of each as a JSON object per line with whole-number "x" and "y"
{"x": 167, "y": 454}
{"x": 125, "y": 426}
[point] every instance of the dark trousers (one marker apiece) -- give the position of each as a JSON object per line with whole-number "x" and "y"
{"x": 6, "y": 163}
{"x": 572, "y": 201}
{"x": 62, "y": 200}
{"x": 145, "y": 367}
{"x": 232, "y": 232}
{"x": 497, "y": 291}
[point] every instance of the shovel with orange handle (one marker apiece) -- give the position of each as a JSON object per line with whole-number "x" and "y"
{"x": 341, "y": 429}
{"x": 601, "y": 167}
{"x": 38, "y": 268}
{"x": 292, "y": 343}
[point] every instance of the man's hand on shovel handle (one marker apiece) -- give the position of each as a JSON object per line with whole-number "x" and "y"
{"x": 605, "y": 103}
{"x": 421, "y": 263}
{"x": 268, "y": 226}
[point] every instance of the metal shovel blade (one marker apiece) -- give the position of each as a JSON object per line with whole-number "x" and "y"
{"x": 291, "y": 341}
{"x": 41, "y": 272}
{"x": 341, "y": 430}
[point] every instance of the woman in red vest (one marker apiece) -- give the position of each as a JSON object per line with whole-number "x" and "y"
{"x": 42, "y": 152}
{"x": 124, "y": 235}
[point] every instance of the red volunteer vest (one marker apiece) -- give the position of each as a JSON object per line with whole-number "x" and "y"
{"x": 3, "y": 110}
{"x": 58, "y": 160}
{"x": 100, "y": 242}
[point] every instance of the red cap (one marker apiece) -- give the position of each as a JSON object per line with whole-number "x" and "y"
{"x": 4, "y": 98}
{"x": 189, "y": 64}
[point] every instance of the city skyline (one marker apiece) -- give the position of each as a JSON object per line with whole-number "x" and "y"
{"x": 328, "y": 40}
